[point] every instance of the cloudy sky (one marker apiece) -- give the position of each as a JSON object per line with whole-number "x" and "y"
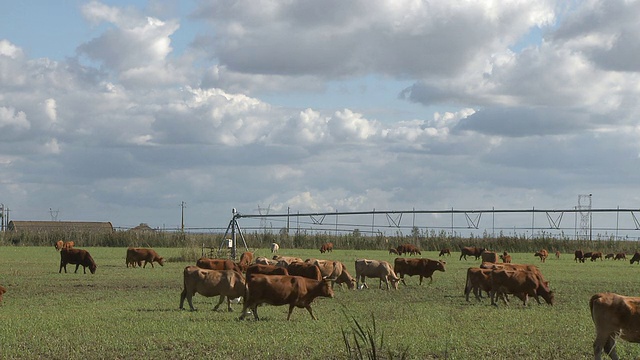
{"x": 121, "y": 110}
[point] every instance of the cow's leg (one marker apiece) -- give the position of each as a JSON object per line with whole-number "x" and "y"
{"x": 402, "y": 279}
{"x": 222, "y": 297}
{"x": 308, "y": 307}
{"x": 77, "y": 266}
{"x": 607, "y": 343}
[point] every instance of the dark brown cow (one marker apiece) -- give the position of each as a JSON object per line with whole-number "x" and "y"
{"x": 217, "y": 264}
{"x": 277, "y": 290}
{"x": 471, "y": 251}
{"x": 445, "y": 251}
{"x": 614, "y": 315}
{"x": 266, "y": 270}
{"x": 542, "y": 254}
{"x": 610, "y": 256}
{"x": 138, "y": 255}
{"x": 2, "y": 291}
{"x": 596, "y": 255}
{"x": 77, "y": 257}
{"x": 310, "y": 271}
{"x": 327, "y": 247}
{"x": 635, "y": 258}
{"x": 587, "y": 255}
{"x": 228, "y": 284}
{"x": 478, "y": 280}
{"x": 408, "y": 249}
{"x": 620, "y": 256}
{"x": 335, "y": 271}
{"x": 578, "y": 256}
{"x": 375, "y": 269}
{"x": 422, "y": 267}
{"x": 520, "y": 282}
{"x": 393, "y": 251}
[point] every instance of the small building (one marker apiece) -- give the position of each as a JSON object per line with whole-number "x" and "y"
{"x": 143, "y": 227}
{"x": 60, "y": 226}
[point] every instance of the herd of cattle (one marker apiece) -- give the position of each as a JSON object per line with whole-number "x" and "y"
{"x": 287, "y": 280}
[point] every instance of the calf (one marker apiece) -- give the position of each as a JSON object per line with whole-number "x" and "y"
{"x": 77, "y": 257}
{"x": 278, "y": 290}
{"x": 375, "y": 269}
{"x": 138, "y": 255}
{"x": 228, "y": 284}
{"x": 421, "y": 267}
{"x": 614, "y": 315}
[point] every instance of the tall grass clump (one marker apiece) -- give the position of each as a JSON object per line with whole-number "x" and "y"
{"x": 364, "y": 342}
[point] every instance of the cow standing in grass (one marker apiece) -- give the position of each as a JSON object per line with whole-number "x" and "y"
{"x": 228, "y": 284}
{"x": 614, "y": 316}
{"x": 77, "y": 257}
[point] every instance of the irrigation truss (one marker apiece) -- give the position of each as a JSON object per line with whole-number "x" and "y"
{"x": 577, "y": 223}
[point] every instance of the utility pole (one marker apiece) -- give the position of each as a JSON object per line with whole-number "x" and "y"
{"x": 182, "y": 205}
{"x": 1, "y": 217}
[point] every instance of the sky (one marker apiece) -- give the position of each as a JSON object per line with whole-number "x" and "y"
{"x": 121, "y": 111}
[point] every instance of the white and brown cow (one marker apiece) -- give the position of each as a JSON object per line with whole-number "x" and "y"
{"x": 376, "y": 269}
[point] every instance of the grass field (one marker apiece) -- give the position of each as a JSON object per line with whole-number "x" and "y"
{"x": 121, "y": 313}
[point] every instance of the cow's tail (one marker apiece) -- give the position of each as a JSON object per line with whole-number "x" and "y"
{"x": 467, "y": 285}
{"x": 592, "y": 301}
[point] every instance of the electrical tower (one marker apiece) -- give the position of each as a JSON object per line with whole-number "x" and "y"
{"x": 584, "y": 207}
{"x": 263, "y": 221}
{"x": 54, "y": 214}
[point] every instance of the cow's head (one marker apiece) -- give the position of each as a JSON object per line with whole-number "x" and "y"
{"x": 161, "y": 261}
{"x": 93, "y": 268}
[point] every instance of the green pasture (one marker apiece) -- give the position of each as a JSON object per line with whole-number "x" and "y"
{"x": 124, "y": 313}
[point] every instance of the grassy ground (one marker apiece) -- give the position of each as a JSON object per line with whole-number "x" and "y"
{"x": 122, "y": 312}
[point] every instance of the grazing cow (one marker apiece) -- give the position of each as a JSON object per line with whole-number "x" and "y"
{"x": 471, "y": 251}
{"x": 620, "y": 256}
{"x": 2, "y": 291}
{"x": 375, "y": 269}
{"x": 520, "y": 282}
{"x": 217, "y": 264}
{"x": 58, "y": 245}
{"x": 226, "y": 283}
{"x": 264, "y": 261}
{"x": 137, "y": 255}
{"x": 277, "y": 290}
{"x": 609, "y": 256}
{"x": 284, "y": 261}
{"x": 587, "y": 255}
{"x": 578, "y": 256}
{"x": 489, "y": 256}
{"x": 635, "y": 258}
{"x": 505, "y": 257}
{"x": 274, "y": 248}
{"x": 557, "y": 254}
{"x": 543, "y": 254}
{"x": 393, "y": 251}
{"x": 266, "y": 270}
{"x": 478, "y": 280}
{"x": 328, "y": 247}
{"x": 596, "y": 255}
{"x": 334, "y": 271}
{"x": 77, "y": 257}
{"x": 614, "y": 316}
{"x": 422, "y": 267}
{"x": 445, "y": 251}
{"x": 408, "y": 249}
{"x": 246, "y": 259}
{"x": 299, "y": 268}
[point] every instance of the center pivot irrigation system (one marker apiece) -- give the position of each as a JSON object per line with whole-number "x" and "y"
{"x": 515, "y": 222}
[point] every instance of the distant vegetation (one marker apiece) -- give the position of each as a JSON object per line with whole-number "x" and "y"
{"x": 428, "y": 241}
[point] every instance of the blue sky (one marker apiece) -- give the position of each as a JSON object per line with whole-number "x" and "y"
{"x": 118, "y": 111}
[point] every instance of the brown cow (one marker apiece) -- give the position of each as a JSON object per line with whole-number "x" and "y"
{"x": 620, "y": 256}
{"x": 77, "y": 257}
{"x": 610, "y": 256}
{"x": 489, "y": 256}
{"x": 505, "y": 257}
{"x": 393, "y": 251}
{"x": 2, "y": 291}
{"x": 635, "y": 258}
{"x": 246, "y": 258}
{"x": 557, "y": 254}
{"x": 478, "y": 280}
{"x": 217, "y": 264}
{"x": 471, "y": 251}
{"x": 138, "y": 255}
{"x": 578, "y": 256}
{"x": 266, "y": 270}
{"x": 277, "y": 290}
{"x": 335, "y": 271}
{"x": 422, "y": 267}
{"x": 375, "y": 269}
{"x": 520, "y": 282}
{"x": 284, "y": 261}
{"x": 408, "y": 249}
{"x": 299, "y": 268}
{"x": 543, "y": 254}
{"x": 614, "y": 315}
{"x": 58, "y": 245}
{"x": 226, "y": 283}
{"x": 587, "y": 255}
{"x": 596, "y": 255}
{"x": 445, "y": 251}
{"x": 327, "y": 247}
